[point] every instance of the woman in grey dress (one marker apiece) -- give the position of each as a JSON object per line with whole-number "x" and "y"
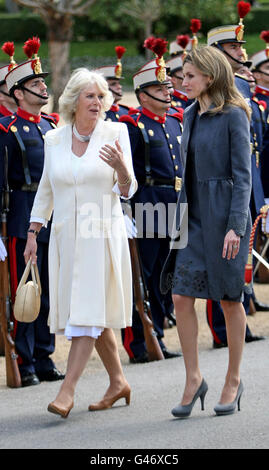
{"x": 215, "y": 150}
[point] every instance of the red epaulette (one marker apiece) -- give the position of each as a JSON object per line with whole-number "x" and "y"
{"x": 6, "y": 129}
{"x": 55, "y": 117}
{"x": 52, "y": 117}
{"x": 133, "y": 111}
{"x": 178, "y": 115}
{"x": 263, "y": 104}
{"x": 127, "y": 118}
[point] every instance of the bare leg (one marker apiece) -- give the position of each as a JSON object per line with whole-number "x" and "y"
{"x": 187, "y": 327}
{"x": 107, "y": 348}
{"x": 235, "y": 319}
{"x": 80, "y": 351}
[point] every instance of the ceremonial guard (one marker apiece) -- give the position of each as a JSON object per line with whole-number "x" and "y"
{"x": 155, "y": 138}
{"x": 113, "y": 76}
{"x": 260, "y": 70}
{"x": 7, "y": 107}
{"x": 179, "y": 99}
{"x": 7, "y": 103}
{"x": 22, "y": 140}
{"x": 229, "y": 39}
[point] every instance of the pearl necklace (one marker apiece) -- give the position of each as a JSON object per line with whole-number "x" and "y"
{"x": 82, "y": 138}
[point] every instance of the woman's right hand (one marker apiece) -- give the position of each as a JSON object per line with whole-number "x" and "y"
{"x": 30, "y": 249}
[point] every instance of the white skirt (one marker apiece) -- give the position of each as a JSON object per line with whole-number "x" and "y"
{"x": 75, "y": 331}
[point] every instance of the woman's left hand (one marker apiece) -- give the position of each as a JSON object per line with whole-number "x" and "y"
{"x": 113, "y": 156}
{"x": 231, "y": 245}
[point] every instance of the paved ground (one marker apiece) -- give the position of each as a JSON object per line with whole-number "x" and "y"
{"x": 156, "y": 388}
{"x": 147, "y": 422}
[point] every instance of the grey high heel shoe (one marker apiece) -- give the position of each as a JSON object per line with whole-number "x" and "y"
{"x": 229, "y": 408}
{"x": 183, "y": 411}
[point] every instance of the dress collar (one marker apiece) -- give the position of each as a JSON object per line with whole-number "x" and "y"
{"x": 155, "y": 117}
{"x": 28, "y": 116}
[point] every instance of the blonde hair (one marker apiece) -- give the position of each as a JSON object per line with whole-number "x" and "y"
{"x": 79, "y": 80}
{"x": 222, "y": 90}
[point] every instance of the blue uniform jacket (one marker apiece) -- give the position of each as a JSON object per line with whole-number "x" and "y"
{"x": 159, "y": 138}
{"x": 243, "y": 86}
{"x": 31, "y": 133}
{"x": 256, "y": 133}
{"x": 115, "y": 112}
{"x": 178, "y": 100}
{"x": 256, "y": 137}
{"x": 265, "y": 163}
{"x": 263, "y": 95}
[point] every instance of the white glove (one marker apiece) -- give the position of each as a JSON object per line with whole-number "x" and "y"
{"x": 3, "y": 251}
{"x": 130, "y": 227}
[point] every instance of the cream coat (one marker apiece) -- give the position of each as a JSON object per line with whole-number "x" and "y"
{"x": 89, "y": 262}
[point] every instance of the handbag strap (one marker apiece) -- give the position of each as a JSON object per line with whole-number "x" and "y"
{"x": 34, "y": 274}
{"x": 25, "y": 275}
{"x": 35, "y": 277}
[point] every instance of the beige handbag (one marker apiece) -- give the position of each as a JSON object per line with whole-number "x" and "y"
{"x": 27, "y": 302}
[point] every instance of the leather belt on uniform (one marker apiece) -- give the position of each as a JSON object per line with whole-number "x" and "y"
{"x": 149, "y": 181}
{"x": 174, "y": 183}
{"x": 32, "y": 187}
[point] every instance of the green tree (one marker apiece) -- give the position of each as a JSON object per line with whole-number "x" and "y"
{"x": 221, "y": 11}
{"x": 146, "y": 12}
{"x": 58, "y": 16}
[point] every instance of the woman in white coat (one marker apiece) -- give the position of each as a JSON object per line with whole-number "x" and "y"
{"x": 88, "y": 165}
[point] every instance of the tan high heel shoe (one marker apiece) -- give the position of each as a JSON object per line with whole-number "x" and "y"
{"x": 63, "y": 412}
{"x": 108, "y": 402}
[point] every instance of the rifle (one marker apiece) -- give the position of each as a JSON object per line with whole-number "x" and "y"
{"x": 13, "y": 378}
{"x": 142, "y": 304}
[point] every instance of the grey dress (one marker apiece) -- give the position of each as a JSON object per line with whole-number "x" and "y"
{"x": 190, "y": 274}
{"x": 215, "y": 152}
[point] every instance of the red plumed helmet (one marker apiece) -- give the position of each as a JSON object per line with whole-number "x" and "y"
{"x": 183, "y": 40}
{"x": 156, "y": 45}
{"x": 8, "y": 48}
{"x": 265, "y": 36}
{"x": 120, "y": 50}
{"x": 27, "y": 49}
{"x": 159, "y": 47}
{"x": 31, "y": 46}
{"x": 148, "y": 43}
{"x": 35, "y": 42}
{"x": 243, "y": 9}
{"x": 195, "y": 25}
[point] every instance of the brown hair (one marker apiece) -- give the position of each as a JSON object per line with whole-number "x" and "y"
{"x": 222, "y": 90}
